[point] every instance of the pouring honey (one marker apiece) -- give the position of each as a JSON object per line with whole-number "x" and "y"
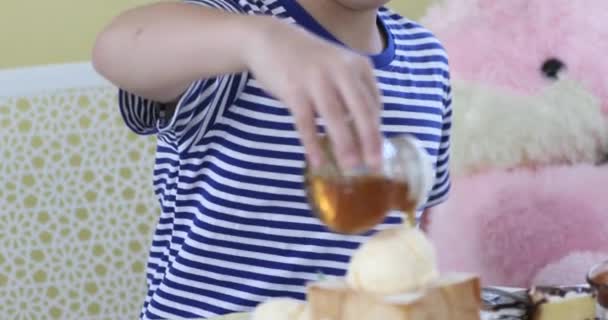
{"x": 356, "y": 202}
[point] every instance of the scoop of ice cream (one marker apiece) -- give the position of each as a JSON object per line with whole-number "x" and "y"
{"x": 305, "y": 314}
{"x": 280, "y": 309}
{"x": 393, "y": 261}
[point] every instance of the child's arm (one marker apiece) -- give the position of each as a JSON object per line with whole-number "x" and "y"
{"x": 158, "y": 50}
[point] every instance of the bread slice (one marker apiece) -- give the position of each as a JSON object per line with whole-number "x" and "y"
{"x": 452, "y": 296}
{"x": 564, "y": 305}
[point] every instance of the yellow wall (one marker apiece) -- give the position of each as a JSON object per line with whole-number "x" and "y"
{"x": 52, "y": 31}
{"x": 59, "y": 31}
{"x": 411, "y": 8}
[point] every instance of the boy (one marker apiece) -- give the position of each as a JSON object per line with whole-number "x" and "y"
{"x": 236, "y": 91}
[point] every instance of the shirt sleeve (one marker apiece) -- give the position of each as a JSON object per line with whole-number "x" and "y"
{"x": 440, "y": 191}
{"x": 198, "y": 107}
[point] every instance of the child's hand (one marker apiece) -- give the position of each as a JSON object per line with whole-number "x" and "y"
{"x": 311, "y": 75}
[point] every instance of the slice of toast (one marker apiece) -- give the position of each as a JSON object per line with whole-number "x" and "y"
{"x": 576, "y": 304}
{"x": 452, "y": 296}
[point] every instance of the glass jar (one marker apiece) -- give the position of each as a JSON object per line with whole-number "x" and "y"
{"x": 355, "y": 202}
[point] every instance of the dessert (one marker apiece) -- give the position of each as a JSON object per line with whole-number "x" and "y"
{"x": 562, "y": 304}
{"x": 393, "y": 276}
{"x": 541, "y": 303}
{"x": 454, "y": 296}
{"x": 394, "y": 261}
{"x": 598, "y": 280}
{"x": 281, "y": 309}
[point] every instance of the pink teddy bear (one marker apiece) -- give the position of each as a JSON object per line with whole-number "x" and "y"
{"x": 529, "y": 201}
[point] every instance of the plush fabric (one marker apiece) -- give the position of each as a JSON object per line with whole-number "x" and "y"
{"x": 529, "y": 203}
{"x": 508, "y": 225}
{"x": 507, "y": 42}
{"x": 496, "y": 128}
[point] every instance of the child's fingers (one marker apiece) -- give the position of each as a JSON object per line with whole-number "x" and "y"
{"x": 364, "y": 110}
{"x": 331, "y": 107}
{"x": 370, "y": 81}
{"x": 304, "y": 116}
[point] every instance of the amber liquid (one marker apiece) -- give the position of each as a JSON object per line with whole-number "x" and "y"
{"x": 355, "y": 205}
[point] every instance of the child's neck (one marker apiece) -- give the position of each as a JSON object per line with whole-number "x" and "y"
{"x": 357, "y": 29}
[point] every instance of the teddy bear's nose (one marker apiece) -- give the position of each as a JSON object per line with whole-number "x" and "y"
{"x": 552, "y": 67}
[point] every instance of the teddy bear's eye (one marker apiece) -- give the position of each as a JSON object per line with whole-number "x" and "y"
{"x": 552, "y": 67}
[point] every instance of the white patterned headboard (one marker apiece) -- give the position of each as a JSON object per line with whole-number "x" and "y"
{"x": 76, "y": 203}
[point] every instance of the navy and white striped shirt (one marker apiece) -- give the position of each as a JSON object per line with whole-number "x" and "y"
{"x": 235, "y": 227}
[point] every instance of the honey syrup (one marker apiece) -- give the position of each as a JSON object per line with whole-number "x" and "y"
{"x": 355, "y": 203}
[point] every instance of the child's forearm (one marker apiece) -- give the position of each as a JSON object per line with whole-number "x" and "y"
{"x": 157, "y": 50}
